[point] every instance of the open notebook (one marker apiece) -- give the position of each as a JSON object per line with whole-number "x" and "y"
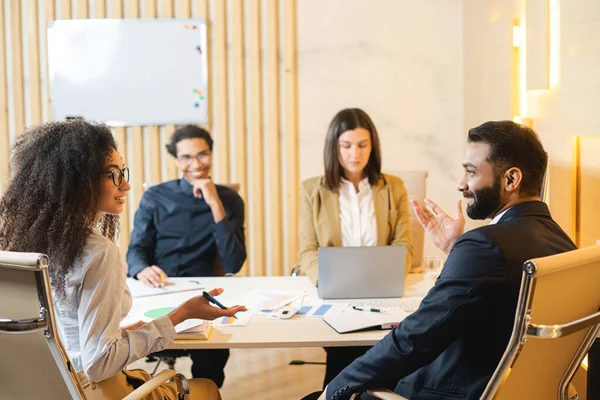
{"x": 347, "y": 319}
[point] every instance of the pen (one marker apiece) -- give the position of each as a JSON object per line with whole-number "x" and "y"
{"x": 359, "y": 308}
{"x": 215, "y": 301}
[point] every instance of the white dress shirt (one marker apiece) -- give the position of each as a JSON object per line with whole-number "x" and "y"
{"x": 357, "y": 214}
{"x": 497, "y": 217}
{"x": 96, "y": 300}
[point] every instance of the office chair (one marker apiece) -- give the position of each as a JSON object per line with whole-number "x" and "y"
{"x": 556, "y": 322}
{"x": 34, "y": 363}
{"x": 416, "y": 188}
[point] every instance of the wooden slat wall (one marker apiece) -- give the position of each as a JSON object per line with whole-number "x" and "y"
{"x": 257, "y": 154}
{"x": 252, "y": 107}
{"x": 4, "y": 127}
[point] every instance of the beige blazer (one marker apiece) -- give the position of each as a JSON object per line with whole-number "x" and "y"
{"x": 319, "y": 224}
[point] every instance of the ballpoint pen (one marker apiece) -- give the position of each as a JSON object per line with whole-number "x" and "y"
{"x": 215, "y": 302}
{"x": 360, "y": 308}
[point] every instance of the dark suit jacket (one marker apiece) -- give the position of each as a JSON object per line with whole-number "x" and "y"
{"x": 450, "y": 347}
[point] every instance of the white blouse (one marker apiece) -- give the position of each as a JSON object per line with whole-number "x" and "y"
{"x": 357, "y": 214}
{"x": 96, "y": 300}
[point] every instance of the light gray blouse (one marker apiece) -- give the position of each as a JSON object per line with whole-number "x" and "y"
{"x": 96, "y": 300}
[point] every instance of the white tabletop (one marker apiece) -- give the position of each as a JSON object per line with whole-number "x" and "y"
{"x": 265, "y": 332}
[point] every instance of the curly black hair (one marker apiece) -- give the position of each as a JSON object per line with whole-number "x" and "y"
{"x": 52, "y": 197}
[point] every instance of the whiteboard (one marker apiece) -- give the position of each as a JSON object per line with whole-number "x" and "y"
{"x": 126, "y": 72}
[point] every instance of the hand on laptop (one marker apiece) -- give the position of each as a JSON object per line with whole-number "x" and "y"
{"x": 441, "y": 228}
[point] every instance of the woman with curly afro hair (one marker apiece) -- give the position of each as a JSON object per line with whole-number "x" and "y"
{"x": 68, "y": 185}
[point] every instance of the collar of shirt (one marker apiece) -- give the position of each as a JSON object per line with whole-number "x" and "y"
{"x": 186, "y": 187}
{"x": 362, "y": 185}
{"x": 497, "y": 217}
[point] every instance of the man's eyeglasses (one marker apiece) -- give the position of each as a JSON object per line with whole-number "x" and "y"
{"x": 117, "y": 175}
{"x": 201, "y": 157}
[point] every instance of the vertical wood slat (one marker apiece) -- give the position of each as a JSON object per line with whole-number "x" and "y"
{"x": 17, "y": 64}
{"x": 152, "y": 133}
{"x": 291, "y": 131}
{"x": 99, "y": 9}
{"x": 33, "y": 54}
{"x": 4, "y": 135}
{"x": 136, "y": 161}
{"x": 50, "y": 16}
{"x": 239, "y": 107}
{"x": 184, "y": 8}
{"x": 274, "y": 153}
{"x": 219, "y": 95}
{"x": 167, "y": 11}
{"x": 83, "y": 9}
{"x": 202, "y": 7}
{"x": 121, "y": 139}
{"x": 65, "y": 9}
{"x": 257, "y": 259}
{"x": 239, "y": 97}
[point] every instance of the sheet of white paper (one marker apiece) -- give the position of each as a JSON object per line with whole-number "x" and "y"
{"x": 139, "y": 289}
{"x": 265, "y": 302}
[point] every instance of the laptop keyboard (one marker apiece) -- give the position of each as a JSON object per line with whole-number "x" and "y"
{"x": 408, "y": 304}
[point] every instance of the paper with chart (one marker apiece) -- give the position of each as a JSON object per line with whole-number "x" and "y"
{"x": 140, "y": 289}
{"x": 188, "y": 329}
{"x": 267, "y": 301}
{"x": 243, "y": 319}
{"x": 320, "y": 309}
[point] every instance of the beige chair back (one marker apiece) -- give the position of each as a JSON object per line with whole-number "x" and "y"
{"x": 33, "y": 362}
{"x": 416, "y": 187}
{"x": 556, "y": 322}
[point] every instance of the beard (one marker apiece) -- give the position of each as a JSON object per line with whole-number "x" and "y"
{"x": 485, "y": 201}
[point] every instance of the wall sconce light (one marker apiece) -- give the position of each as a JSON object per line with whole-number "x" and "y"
{"x": 517, "y": 36}
{"x": 528, "y": 122}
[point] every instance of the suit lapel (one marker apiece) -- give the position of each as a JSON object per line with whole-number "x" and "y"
{"x": 331, "y": 206}
{"x": 382, "y": 206}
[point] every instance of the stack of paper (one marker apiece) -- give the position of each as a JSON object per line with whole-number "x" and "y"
{"x": 350, "y": 320}
{"x": 193, "y": 329}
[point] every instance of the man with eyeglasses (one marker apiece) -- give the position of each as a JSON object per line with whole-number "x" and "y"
{"x": 189, "y": 227}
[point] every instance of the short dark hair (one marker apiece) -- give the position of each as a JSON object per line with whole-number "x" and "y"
{"x": 514, "y": 145}
{"x": 346, "y": 120}
{"x": 188, "y": 132}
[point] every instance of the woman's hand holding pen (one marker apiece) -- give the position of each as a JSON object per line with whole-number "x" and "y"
{"x": 199, "y": 307}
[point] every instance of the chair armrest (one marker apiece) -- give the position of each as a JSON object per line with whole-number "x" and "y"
{"x": 385, "y": 394}
{"x": 555, "y": 331}
{"x": 155, "y": 382}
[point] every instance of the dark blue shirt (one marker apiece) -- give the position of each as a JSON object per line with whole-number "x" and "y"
{"x": 177, "y": 232}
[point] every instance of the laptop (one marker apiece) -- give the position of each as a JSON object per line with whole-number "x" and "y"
{"x": 361, "y": 272}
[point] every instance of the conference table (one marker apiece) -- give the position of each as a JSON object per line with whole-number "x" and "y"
{"x": 266, "y": 332}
